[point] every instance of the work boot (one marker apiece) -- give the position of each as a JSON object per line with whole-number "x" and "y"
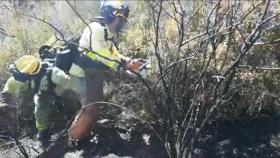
{"x": 44, "y": 138}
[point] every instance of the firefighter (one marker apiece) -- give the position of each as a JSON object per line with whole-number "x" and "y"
{"x": 41, "y": 79}
{"x": 100, "y": 54}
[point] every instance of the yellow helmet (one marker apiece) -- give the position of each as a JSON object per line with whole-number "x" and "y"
{"x": 28, "y": 64}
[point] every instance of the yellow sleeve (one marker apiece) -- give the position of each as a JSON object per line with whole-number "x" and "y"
{"x": 109, "y": 58}
{"x": 92, "y": 37}
{"x": 106, "y": 52}
{"x": 13, "y": 86}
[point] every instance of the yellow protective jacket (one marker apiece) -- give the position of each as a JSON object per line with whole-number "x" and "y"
{"x": 93, "y": 38}
{"x": 14, "y": 87}
{"x": 60, "y": 78}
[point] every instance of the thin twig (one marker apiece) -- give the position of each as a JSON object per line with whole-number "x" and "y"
{"x": 35, "y": 17}
{"x": 2, "y": 31}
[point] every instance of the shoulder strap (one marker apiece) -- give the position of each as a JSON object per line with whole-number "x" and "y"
{"x": 45, "y": 72}
{"x": 38, "y": 78}
{"x": 105, "y": 29}
{"x": 106, "y": 36}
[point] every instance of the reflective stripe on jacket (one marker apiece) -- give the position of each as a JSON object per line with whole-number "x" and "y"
{"x": 93, "y": 39}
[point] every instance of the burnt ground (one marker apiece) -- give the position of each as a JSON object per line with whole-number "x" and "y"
{"x": 257, "y": 137}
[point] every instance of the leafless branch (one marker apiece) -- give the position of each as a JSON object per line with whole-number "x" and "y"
{"x": 35, "y": 17}
{"x": 2, "y": 31}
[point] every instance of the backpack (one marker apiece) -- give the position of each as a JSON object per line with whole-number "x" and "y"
{"x": 66, "y": 55}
